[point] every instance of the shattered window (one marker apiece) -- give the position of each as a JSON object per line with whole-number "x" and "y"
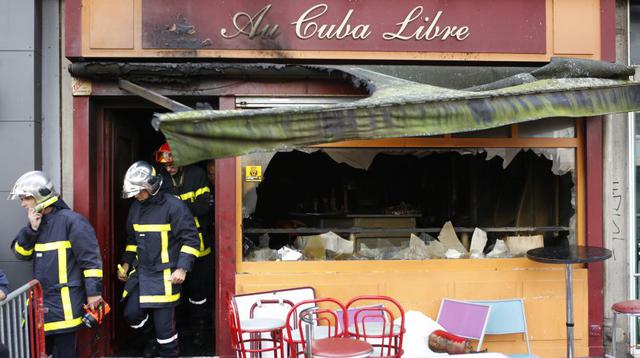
{"x": 406, "y": 203}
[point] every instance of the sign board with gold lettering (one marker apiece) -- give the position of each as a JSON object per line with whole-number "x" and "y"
{"x": 498, "y": 26}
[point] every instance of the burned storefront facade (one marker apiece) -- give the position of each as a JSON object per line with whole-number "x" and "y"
{"x": 416, "y": 154}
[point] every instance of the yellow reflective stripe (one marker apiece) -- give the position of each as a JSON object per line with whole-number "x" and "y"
{"x": 168, "y": 289}
{"x": 205, "y": 252}
{"x": 124, "y": 293}
{"x": 66, "y": 303}
{"x": 195, "y": 218}
{"x": 164, "y": 254}
{"x": 159, "y": 299}
{"x": 204, "y": 189}
{"x": 93, "y": 273}
{"x": 22, "y": 251}
{"x": 131, "y": 248}
{"x": 62, "y": 265}
{"x": 201, "y": 241}
{"x": 151, "y": 227}
{"x": 190, "y": 250}
{"x": 56, "y": 245}
{"x": 52, "y": 326}
{"x": 191, "y": 195}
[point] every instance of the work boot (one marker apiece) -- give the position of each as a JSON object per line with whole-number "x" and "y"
{"x": 151, "y": 349}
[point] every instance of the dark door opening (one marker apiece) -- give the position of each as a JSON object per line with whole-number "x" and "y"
{"x": 124, "y": 135}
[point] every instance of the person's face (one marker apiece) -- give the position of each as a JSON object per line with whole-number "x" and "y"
{"x": 28, "y": 202}
{"x": 211, "y": 172}
{"x": 171, "y": 169}
{"x": 142, "y": 195}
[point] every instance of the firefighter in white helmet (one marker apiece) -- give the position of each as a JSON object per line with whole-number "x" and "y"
{"x": 162, "y": 244}
{"x": 53, "y": 232}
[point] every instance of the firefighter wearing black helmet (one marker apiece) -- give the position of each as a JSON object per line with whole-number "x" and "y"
{"x": 162, "y": 243}
{"x": 66, "y": 259}
{"x": 190, "y": 184}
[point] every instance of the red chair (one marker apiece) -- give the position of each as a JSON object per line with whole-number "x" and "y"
{"x": 295, "y": 338}
{"x": 332, "y": 342}
{"x": 373, "y": 319}
{"x": 254, "y": 335}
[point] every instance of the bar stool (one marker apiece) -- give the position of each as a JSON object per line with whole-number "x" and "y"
{"x": 629, "y": 308}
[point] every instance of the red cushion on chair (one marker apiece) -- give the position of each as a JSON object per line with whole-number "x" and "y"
{"x": 629, "y": 307}
{"x": 340, "y": 347}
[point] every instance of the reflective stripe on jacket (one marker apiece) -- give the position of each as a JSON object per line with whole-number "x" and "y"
{"x": 161, "y": 236}
{"x": 66, "y": 261}
{"x": 192, "y": 187}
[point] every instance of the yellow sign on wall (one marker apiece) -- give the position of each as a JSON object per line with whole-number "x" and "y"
{"x": 253, "y": 173}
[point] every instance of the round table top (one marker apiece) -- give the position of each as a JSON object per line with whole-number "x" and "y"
{"x": 571, "y": 254}
{"x": 340, "y": 347}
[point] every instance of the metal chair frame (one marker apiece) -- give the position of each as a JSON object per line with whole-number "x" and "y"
{"x": 470, "y": 319}
{"x": 255, "y": 340}
{"x": 388, "y": 340}
{"x": 312, "y": 316}
{"x": 508, "y": 317}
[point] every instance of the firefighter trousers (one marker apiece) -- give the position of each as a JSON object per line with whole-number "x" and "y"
{"x": 162, "y": 320}
{"x": 198, "y": 290}
{"x": 61, "y": 345}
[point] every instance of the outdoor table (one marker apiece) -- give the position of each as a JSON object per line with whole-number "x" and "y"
{"x": 568, "y": 256}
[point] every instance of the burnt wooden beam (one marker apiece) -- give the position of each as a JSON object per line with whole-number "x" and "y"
{"x": 153, "y": 96}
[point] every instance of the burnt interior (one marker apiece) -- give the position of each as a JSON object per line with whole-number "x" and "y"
{"x": 433, "y": 187}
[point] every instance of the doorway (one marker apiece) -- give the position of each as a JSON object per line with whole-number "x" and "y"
{"x": 123, "y": 135}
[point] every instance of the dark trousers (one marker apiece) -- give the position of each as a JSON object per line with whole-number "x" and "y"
{"x": 61, "y": 345}
{"x": 198, "y": 290}
{"x": 161, "y": 319}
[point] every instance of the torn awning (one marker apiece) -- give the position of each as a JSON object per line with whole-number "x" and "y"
{"x": 401, "y": 108}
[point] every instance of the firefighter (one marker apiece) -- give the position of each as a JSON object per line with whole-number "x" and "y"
{"x": 66, "y": 259}
{"x": 162, "y": 244}
{"x": 190, "y": 184}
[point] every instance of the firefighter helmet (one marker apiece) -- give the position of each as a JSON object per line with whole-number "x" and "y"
{"x": 164, "y": 155}
{"x": 141, "y": 176}
{"x": 35, "y": 184}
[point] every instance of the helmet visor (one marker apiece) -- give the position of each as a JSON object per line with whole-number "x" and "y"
{"x": 163, "y": 157}
{"x": 17, "y": 192}
{"x": 130, "y": 190}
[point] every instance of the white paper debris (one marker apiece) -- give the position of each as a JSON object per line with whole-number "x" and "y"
{"x": 478, "y": 242}
{"x": 449, "y": 239}
{"x": 453, "y": 254}
{"x": 287, "y": 254}
{"x": 314, "y": 246}
{"x": 500, "y": 249}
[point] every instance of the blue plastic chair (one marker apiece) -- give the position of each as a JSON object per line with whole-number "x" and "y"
{"x": 507, "y": 317}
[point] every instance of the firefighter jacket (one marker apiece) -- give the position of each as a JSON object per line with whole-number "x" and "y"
{"x": 66, "y": 261}
{"x": 161, "y": 236}
{"x": 192, "y": 187}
